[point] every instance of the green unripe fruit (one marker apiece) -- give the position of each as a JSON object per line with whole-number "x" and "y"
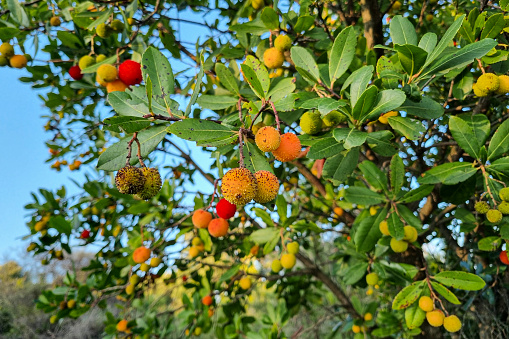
{"x": 372, "y": 279}
{"x": 103, "y": 30}
{"x": 130, "y": 180}
{"x": 86, "y": 61}
{"x": 334, "y": 118}
{"x": 504, "y": 207}
{"x": 152, "y": 184}
{"x": 3, "y": 61}
{"x": 144, "y": 267}
{"x": 100, "y": 58}
{"x": 494, "y": 216}
{"x": 268, "y": 119}
{"x": 504, "y": 194}
{"x": 311, "y": 122}
{"x": 283, "y": 42}
{"x": 293, "y": 247}
{"x": 107, "y": 72}
{"x": 488, "y": 82}
{"x": 398, "y": 246}
{"x": 256, "y": 127}
{"x": 117, "y": 25}
{"x": 6, "y": 49}
{"x": 276, "y": 266}
{"x": 482, "y": 207}
{"x": 410, "y": 234}
{"x": 53, "y": 319}
{"x": 134, "y": 279}
{"x": 31, "y": 247}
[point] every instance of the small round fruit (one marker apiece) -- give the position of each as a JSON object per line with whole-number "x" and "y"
{"x": 504, "y": 207}
{"x": 141, "y": 254}
{"x": 210, "y": 312}
{"x": 482, "y": 207}
{"x": 398, "y": 246}
{"x": 245, "y": 283}
{"x": 31, "y": 247}
{"x": 356, "y": 329}
{"x": 494, "y": 216}
{"x": 288, "y": 260}
{"x": 311, "y": 122}
{"x": 225, "y": 209}
{"x": 152, "y": 184}
{"x": 117, "y": 25}
{"x": 239, "y": 186}
{"x": 218, "y": 227}
{"x": 333, "y": 119}
{"x": 75, "y": 72}
{"x": 144, "y": 267}
{"x": 289, "y": 148}
{"x": 129, "y": 289}
{"x": 194, "y": 251}
{"x": 197, "y": 242}
{"x": 116, "y": 86}
{"x": 488, "y": 82}
{"x": 18, "y": 61}
{"x": 103, "y": 30}
{"x": 86, "y": 61}
{"x": 503, "y": 257}
{"x": 100, "y": 58}
{"x": 107, "y": 72}
{"x": 100, "y": 81}
{"x": 268, "y": 186}
{"x": 368, "y": 316}
{"x": 372, "y": 279}
{"x": 130, "y": 72}
{"x": 410, "y": 234}
{"x": 283, "y": 43}
{"x": 197, "y": 331}
{"x": 7, "y": 50}
{"x": 452, "y": 324}
{"x": 134, "y": 279}
{"x": 55, "y": 21}
{"x": 267, "y": 139}
{"x": 504, "y": 84}
{"x": 338, "y": 211}
{"x": 85, "y": 234}
{"x": 201, "y": 218}
{"x": 129, "y": 180}
{"x": 4, "y": 61}
{"x": 154, "y": 262}
{"x": 478, "y": 92}
{"x": 435, "y": 318}
{"x": 273, "y": 58}
{"x": 206, "y": 300}
{"x": 53, "y": 319}
{"x": 122, "y": 325}
{"x": 293, "y": 247}
{"x": 257, "y": 4}
{"x": 504, "y": 194}
{"x": 384, "y": 227}
{"x": 276, "y": 266}
{"x": 426, "y": 304}
{"x": 429, "y": 17}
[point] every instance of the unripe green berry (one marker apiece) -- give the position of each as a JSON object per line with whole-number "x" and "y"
{"x": 504, "y": 194}
{"x": 494, "y": 216}
{"x": 311, "y": 122}
{"x": 482, "y": 207}
{"x": 372, "y": 279}
{"x": 504, "y": 207}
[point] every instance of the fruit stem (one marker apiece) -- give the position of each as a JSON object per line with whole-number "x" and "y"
{"x": 213, "y": 194}
{"x": 485, "y": 175}
{"x": 276, "y": 115}
{"x": 257, "y": 115}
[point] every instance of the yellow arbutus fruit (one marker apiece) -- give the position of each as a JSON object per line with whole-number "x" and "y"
{"x": 398, "y": 246}
{"x": 245, "y": 283}
{"x": 293, "y": 247}
{"x": 129, "y": 180}
{"x": 268, "y": 186}
{"x": 18, "y": 61}
{"x": 452, "y": 324}
{"x": 288, "y": 260}
{"x": 283, "y": 43}
{"x": 372, "y": 279}
{"x": 267, "y": 139}
{"x": 410, "y": 234}
{"x": 107, "y": 72}
{"x": 488, "y": 82}
{"x": 503, "y": 88}
{"x": 426, "y": 304}
{"x": 276, "y": 265}
{"x": 122, "y": 326}
{"x": 435, "y": 318}
{"x": 273, "y": 58}
{"x": 239, "y": 186}
{"x": 311, "y": 122}
{"x": 384, "y": 227}
{"x": 116, "y": 86}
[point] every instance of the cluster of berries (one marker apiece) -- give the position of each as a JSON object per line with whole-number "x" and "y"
{"x": 284, "y": 147}
{"x": 312, "y": 123}
{"x": 399, "y": 246}
{"x": 104, "y": 30}
{"x": 288, "y": 259}
{"x": 274, "y": 57}
{"x": 144, "y": 182}
{"x": 140, "y": 256}
{"x": 217, "y": 227}
{"x": 491, "y": 83}
{"x": 494, "y": 215}
{"x": 8, "y": 58}
{"x": 436, "y": 317}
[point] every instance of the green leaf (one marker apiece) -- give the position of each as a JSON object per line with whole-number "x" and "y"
{"x": 252, "y": 27}
{"x": 200, "y": 130}
{"x": 7, "y": 33}
{"x": 325, "y": 148}
{"x": 261, "y": 73}
{"x": 397, "y": 174}
{"x": 450, "y": 173}
{"x": 414, "y": 316}
{"x": 340, "y": 166}
{"x": 409, "y": 216}
{"x": 445, "y": 40}
{"x": 444, "y": 292}
{"x": 169, "y": 42}
{"x": 417, "y": 194}
{"x": 463, "y": 134}
{"x": 216, "y": 102}
{"x": 428, "y": 42}
{"x": 411, "y": 57}
{"x": 402, "y": 31}
{"x": 72, "y": 41}
{"x": 305, "y": 61}
{"x": 252, "y": 79}
{"x": 368, "y": 232}
{"x": 365, "y": 103}
{"x": 228, "y": 275}
{"x": 254, "y": 159}
{"x": 350, "y": 137}
{"x": 493, "y": 26}
{"x": 427, "y": 108}
{"x": 101, "y": 19}
{"x": 125, "y": 124}
{"x": 460, "y": 280}
{"x": 226, "y": 78}
{"x": 281, "y": 89}
{"x": 380, "y": 142}
{"x": 60, "y": 224}
{"x": 155, "y": 65}
{"x": 197, "y": 88}
{"x": 342, "y": 53}
{"x": 373, "y": 175}
{"x": 304, "y": 23}
{"x": 359, "y": 81}
{"x": 408, "y": 295}
{"x": 387, "y": 100}
{"x": 489, "y": 244}
{"x": 115, "y": 156}
{"x": 270, "y": 18}
{"x": 499, "y": 143}
{"x": 396, "y": 226}
{"x": 18, "y": 13}
{"x": 264, "y": 215}
{"x": 264, "y": 235}
{"x": 410, "y": 128}
{"x": 354, "y": 273}
{"x": 362, "y": 196}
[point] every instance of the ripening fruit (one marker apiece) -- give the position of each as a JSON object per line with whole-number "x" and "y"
{"x": 338, "y": 211}
{"x": 130, "y": 72}
{"x": 122, "y": 325}
{"x": 154, "y": 262}
{"x": 107, "y": 72}
{"x": 201, "y": 218}
{"x": 356, "y": 329}
{"x": 71, "y": 303}
{"x": 429, "y": 17}
{"x": 368, "y": 316}
{"x": 293, "y": 247}
{"x": 311, "y": 122}
{"x": 239, "y": 186}
{"x": 435, "y": 318}
{"x": 100, "y": 57}
{"x": 75, "y": 72}
{"x": 273, "y": 58}
{"x": 245, "y": 283}
{"x": 504, "y": 194}
{"x": 86, "y": 61}
{"x": 210, "y": 312}
{"x": 410, "y": 234}
{"x": 18, "y": 61}
{"x": 117, "y": 25}
{"x": 85, "y": 234}
{"x": 267, "y": 139}
{"x": 31, "y": 247}
{"x": 144, "y": 267}
{"x": 100, "y": 81}
{"x": 384, "y": 227}
{"x": 53, "y": 319}
{"x": 288, "y": 260}
{"x": 478, "y": 92}
{"x": 4, "y": 61}
{"x": 372, "y": 279}
{"x": 116, "y": 86}
{"x": 276, "y": 265}
{"x": 256, "y": 127}
{"x": 129, "y": 289}
{"x": 488, "y": 82}
{"x": 503, "y": 207}
{"x": 384, "y": 117}
{"x": 193, "y": 252}
{"x": 494, "y": 216}
{"x": 482, "y": 207}
{"x": 218, "y": 227}
{"x": 283, "y": 43}
{"x": 333, "y": 119}
{"x": 396, "y": 5}
{"x": 129, "y": 180}
{"x": 103, "y": 30}
{"x": 196, "y": 242}
{"x": 503, "y": 88}
{"x": 206, "y": 300}
{"x": 7, "y": 50}
{"x": 289, "y": 148}
{"x": 141, "y": 254}
{"x": 398, "y": 246}
{"x": 55, "y": 21}
{"x": 225, "y": 209}
{"x": 152, "y": 184}
{"x": 134, "y": 279}
{"x": 426, "y": 304}
{"x": 197, "y": 331}
{"x": 257, "y": 4}
{"x": 268, "y": 186}
{"x": 452, "y": 324}
{"x": 503, "y": 257}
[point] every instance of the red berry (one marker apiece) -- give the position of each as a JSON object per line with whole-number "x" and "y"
{"x": 75, "y": 72}
{"x": 85, "y": 234}
{"x": 225, "y": 209}
{"x": 184, "y": 278}
{"x": 130, "y": 72}
{"x": 503, "y": 257}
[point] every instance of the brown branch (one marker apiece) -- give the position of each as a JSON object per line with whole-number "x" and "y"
{"x": 310, "y": 177}
{"x": 186, "y": 156}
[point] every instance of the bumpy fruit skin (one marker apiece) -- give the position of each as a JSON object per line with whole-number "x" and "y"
{"x": 75, "y": 72}
{"x": 100, "y": 58}
{"x": 141, "y": 254}
{"x": 117, "y": 25}
{"x": 268, "y": 186}
{"x": 504, "y": 194}
{"x": 18, "y": 61}
{"x": 86, "y": 61}
{"x": 276, "y": 265}
{"x": 435, "y": 318}
{"x": 225, "y": 209}
{"x": 239, "y": 186}
{"x": 372, "y": 279}
{"x": 100, "y": 81}
{"x": 103, "y": 30}
{"x": 196, "y": 242}
{"x": 273, "y": 58}
{"x": 267, "y": 139}
{"x": 503, "y": 88}
{"x": 410, "y": 234}
{"x": 356, "y": 329}
{"x": 429, "y": 17}
{"x": 338, "y": 211}
{"x": 218, "y": 227}
{"x": 334, "y": 118}
{"x": 55, "y": 21}
{"x": 426, "y": 304}
{"x": 384, "y": 227}
{"x": 482, "y": 207}
{"x": 206, "y": 300}
{"x": 107, "y": 72}
{"x": 130, "y": 72}
{"x": 503, "y": 258}
{"x": 245, "y": 283}
{"x": 201, "y": 218}
{"x": 129, "y": 289}
{"x": 398, "y": 246}
{"x": 3, "y": 61}
{"x": 311, "y": 122}
{"x": 293, "y": 247}
{"x": 368, "y": 316}
{"x": 154, "y": 262}
{"x": 494, "y": 216}
{"x": 7, "y": 50}
{"x": 152, "y": 184}
{"x": 452, "y": 324}
{"x": 116, "y": 86}
{"x": 197, "y": 331}
{"x": 288, "y": 149}
{"x": 122, "y": 325}
{"x": 504, "y": 207}
{"x": 283, "y": 43}
{"x": 288, "y": 260}
{"x": 129, "y": 180}
{"x": 257, "y": 4}
{"x": 488, "y": 82}
{"x": 478, "y": 92}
